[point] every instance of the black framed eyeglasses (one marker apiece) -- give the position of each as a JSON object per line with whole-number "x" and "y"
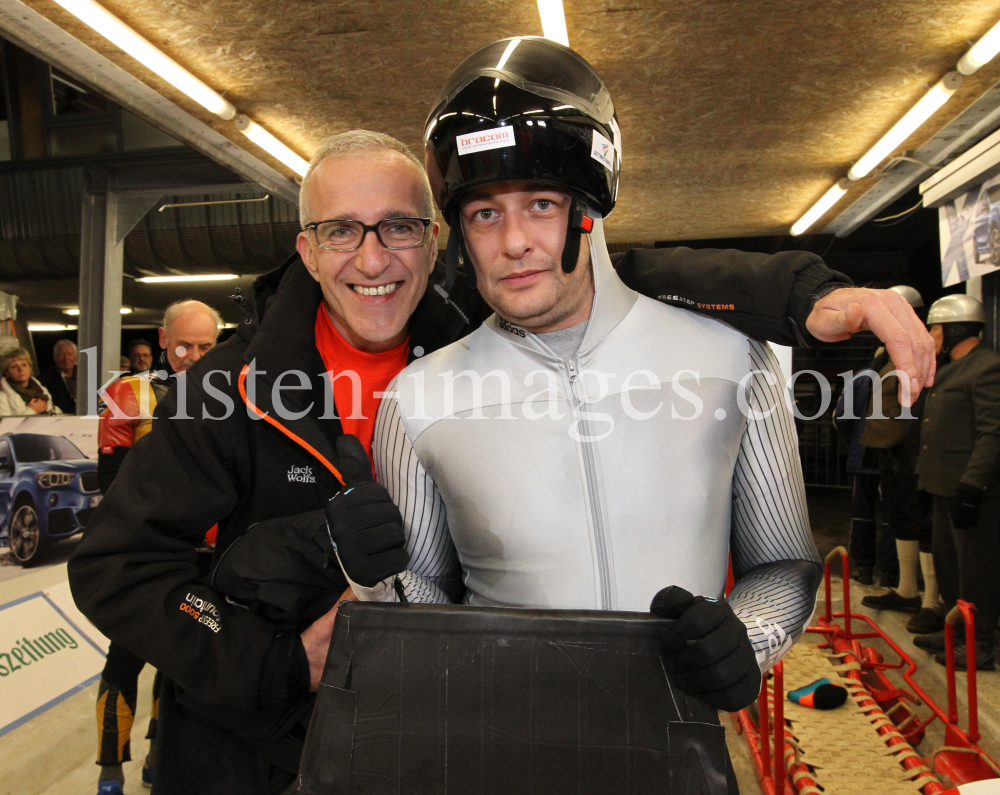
{"x": 392, "y": 233}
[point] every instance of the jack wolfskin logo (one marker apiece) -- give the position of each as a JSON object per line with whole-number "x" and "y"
{"x": 301, "y": 475}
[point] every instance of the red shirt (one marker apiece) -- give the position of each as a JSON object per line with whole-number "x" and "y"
{"x": 373, "y": 373}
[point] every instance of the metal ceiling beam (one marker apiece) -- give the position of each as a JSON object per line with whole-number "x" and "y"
{"x": 136, "y": 202}
{"x": 44, "y": 39}
{"x": 108, "y": 216}
{"x": 101, "y": 256}
{"x": 964, "y": 173}
{"x": 974, "y": 123}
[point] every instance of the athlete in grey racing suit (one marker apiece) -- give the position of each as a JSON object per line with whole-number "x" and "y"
{"x": 591, "y": 482}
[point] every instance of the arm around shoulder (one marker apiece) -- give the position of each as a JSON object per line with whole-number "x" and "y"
{"x": 767, "y": 296}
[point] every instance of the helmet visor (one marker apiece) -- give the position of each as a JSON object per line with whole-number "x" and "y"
{"x": 540, "y": 66}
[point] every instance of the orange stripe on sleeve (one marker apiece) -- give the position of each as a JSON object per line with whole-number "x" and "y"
{"x": 116, "y": 427}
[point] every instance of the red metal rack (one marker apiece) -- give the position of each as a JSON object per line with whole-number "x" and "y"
{"x": 960, "y": 760}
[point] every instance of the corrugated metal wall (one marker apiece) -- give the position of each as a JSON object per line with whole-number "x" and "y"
{"x": 39, "y": 204}
{"x": 40, "y": 216}
{"x": 238, "y": 238}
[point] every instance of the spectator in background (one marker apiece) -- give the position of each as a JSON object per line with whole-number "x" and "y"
{"x": 60, "y": 378}
{"x": 959, "y": 464}
{"x": 190, "y": 329}
{"x": 866, "y": 548}
{"x": 895, "y": 440}
{"x": 20, "y": 393}
{"x": 140, "y": 356}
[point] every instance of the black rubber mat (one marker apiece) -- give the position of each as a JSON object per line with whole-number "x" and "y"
{"x": 450, "y": 700}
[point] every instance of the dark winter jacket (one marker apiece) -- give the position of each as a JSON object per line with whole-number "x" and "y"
{"x": 960, "y": 432}
{"x": 860, "y": 460}
{"x": 53, "y": 381}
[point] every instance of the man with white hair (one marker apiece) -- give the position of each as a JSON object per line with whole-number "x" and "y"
{"x": 190, "y": 329}
{"x": 262, "y": 427}
{"x": 60, "y": 378}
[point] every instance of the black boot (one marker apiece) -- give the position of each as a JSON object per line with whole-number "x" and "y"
{"x": 932, "y": 643}
{"x": 985, "y": 657}
{"x": 927, "y": 621}
{"x": 865, "y": 575}
{"x": 891, "y": 600}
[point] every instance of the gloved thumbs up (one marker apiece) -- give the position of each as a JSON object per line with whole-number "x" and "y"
{"x": 366, "y": 528}
{"x": 352, "y": 461}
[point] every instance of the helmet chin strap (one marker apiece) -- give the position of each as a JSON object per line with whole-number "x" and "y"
{"x": 579, "y": 224}
{"x": 456, "y": 248}
{"x": 954, "y": 333}
{"x": 451, "y": 256}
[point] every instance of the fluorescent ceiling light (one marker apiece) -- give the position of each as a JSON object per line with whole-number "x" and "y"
{"x": 49, "y": 327}
{"x": 205, "y": 277}
{"x": 830, "y": 198}
{"x": 919, "y": 113}
{"x": 125, "y": 310}
{"x": 270, "y": 144}
{"x": 553, "y": 21}
{"x": 145, "y": 53}
{"x": 982, "y": 52}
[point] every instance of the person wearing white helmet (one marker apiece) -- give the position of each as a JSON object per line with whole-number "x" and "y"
{"x": 909, "y": 294}
{"x": 959, "y": 465}
{"x": 895, "y": 441}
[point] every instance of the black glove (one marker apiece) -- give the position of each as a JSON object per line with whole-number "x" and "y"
{"x": 707, "y": 650}
{"x": 282, "y": 569}
{"x": 365, "y": 526}
{"x": 964, "y": 509}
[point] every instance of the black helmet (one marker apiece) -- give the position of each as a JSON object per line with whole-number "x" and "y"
{"x": 524, "y": 108}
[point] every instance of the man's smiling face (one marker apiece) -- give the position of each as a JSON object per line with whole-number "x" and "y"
{"x": 371, "y": 292}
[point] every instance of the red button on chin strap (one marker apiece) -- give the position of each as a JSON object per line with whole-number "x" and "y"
{"x": 579, "y": 224}
{"x": 579, "y": 221}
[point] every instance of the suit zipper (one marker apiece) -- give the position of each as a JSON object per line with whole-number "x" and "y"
{"x": 590, "y": 474}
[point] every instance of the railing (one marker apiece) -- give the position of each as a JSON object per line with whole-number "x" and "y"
{"x": 823, "y": 453}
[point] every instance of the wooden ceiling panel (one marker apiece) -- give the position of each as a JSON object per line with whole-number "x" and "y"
{"x": 736, "y": 115}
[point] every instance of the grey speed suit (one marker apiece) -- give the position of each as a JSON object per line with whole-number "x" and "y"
{"x": 527, "y": 480}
